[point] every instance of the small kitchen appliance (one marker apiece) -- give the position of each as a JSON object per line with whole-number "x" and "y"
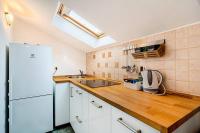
{"x": 152, "y": 82}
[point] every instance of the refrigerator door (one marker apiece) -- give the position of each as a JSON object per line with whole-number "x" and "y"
{"x": 32, "y": 115}
{"x": 30, "y": 71}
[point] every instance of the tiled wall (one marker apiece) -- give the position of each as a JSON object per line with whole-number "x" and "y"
{"x": 180, "y": 65}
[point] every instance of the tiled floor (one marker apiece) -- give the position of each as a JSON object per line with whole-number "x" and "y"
{"x": 67, "y": 129}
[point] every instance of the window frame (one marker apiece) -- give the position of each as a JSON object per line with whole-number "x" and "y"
{"x": 78, "y": 24}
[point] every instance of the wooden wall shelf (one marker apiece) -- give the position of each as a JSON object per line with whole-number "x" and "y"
{"x": 147, "y": 53}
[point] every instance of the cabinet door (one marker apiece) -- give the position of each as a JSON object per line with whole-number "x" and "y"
{"x": 61, "y": 104}
{"x": 124, "y": 123}
{"x": 99, "y": 116}
{"x": 116, "y": 126}
{"x": 79, "y": 109}
{"x": 82, "y": 118}
{"x": 73, "y": 106}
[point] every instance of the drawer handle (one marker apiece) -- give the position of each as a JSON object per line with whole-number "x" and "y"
{"x": 120, "y": 120}
{"x": 96, "y": 104}
{"x": 77, "y": 118}
{"x": 78, "y": 92}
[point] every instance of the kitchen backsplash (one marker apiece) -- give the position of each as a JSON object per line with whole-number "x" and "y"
{"x": 180, "y": 65}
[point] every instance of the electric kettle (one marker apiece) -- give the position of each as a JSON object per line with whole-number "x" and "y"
{"x": 152, "y": 80}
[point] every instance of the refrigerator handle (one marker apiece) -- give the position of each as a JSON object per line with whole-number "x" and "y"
{"x": 10, "y": 87}
{"x": 10, "y": 114}
{"x": 70, "y": 91}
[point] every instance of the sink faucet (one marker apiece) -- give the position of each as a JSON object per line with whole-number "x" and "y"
{"x": 81, "y": 72}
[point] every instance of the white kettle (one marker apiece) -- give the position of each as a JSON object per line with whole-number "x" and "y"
{"x": 152, "y": 80}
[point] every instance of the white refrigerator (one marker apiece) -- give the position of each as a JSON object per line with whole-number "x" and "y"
{"x": 30, "y": 89}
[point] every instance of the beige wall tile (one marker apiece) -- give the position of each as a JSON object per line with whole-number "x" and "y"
{"x": 109, "y": 54}
{"x": 170, "y": 55}
{"x": 182, "y": 86}
{"x": 106, "y": 65}
{"x": 93, "y": 56}
{"x": 182, "y": 38}
{"x": 103, "y": 55}
{"x": 98, "y": 65}
{"x": 94, "y": 74}
{"x": 194, "y": 75}
{"x": 195, "y": 88}
{"x": 194, "y": 53}
{"x": 109, "y": 75}
{"x": 169, "y": 74}
{"x": 170, "y": 44}
{"x": 181, "y": 43}
{"x": 182, "y": 75}
{"x": 170, "y": 85}
{"x": 116, "y": 74}
{"x": 182, "y": 32}
{"x": 116, "y": 64}
{"x": 182, "y": 54}
{"x": 182, "y": 65}
{"x": 194, "y": 30}
{"x": 171, "y": 35}
{"x": 194, "y": 64}
{"x": 194, "y": 41}
{"x": 169, "y": 65}
{"x": 156, "y": 65}
{"x": 159, "y": 36}
{"x": 103, "y": 74}
{"x": 138, "y": 42}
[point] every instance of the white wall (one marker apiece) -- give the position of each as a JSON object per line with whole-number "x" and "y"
{"x": 68, "y": 59}
{"x": 4, "y": 42}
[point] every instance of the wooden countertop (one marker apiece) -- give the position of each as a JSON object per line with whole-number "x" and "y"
{"x": 164, "y": 113}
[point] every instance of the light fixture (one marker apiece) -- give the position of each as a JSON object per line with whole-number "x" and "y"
{"x": 9, "y": 18}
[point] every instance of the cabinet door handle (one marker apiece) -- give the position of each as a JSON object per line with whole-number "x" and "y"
{"x": 78, "y": 92}
{"x": 71, "y": 91}
{"x": 120, "y": 120}
{"x": 77, "y": 118}
{"x": 96, "y": 104}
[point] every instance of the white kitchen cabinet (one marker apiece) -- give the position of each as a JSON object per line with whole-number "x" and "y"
{"x": 79, "y": 109}
{"x": 73, "y": 106}
{"x": 124, "y": 123}
{"x": 61, "y": 103}
{"x": 89, "y": 114}
{"x": 83, "y": 116}
{"x": 99, "y": 116}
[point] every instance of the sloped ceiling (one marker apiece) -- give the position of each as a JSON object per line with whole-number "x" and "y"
{"x": 122, "y": 19}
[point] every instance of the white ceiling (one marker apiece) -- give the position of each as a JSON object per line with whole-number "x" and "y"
{"x": 122, "y": 19}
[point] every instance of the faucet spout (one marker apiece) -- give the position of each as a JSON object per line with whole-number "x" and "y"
{"x": 81, "y": 72}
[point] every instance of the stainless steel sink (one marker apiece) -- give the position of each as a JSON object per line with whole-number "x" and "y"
{"x": 98, "y": 83}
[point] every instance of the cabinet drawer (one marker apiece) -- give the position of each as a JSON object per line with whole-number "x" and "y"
{"x": 79, "y": 109}
{"x": 99, "y": 116}
{"x": 124, "y": 123}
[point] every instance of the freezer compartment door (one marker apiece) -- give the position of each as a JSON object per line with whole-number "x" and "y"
{"x": 30, "y": 71}
{"x": 32, "y": 115}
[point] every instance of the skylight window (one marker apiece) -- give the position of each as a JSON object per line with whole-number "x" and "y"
{"x": 71, "y": 23}
{"x": 80, "y": 22}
